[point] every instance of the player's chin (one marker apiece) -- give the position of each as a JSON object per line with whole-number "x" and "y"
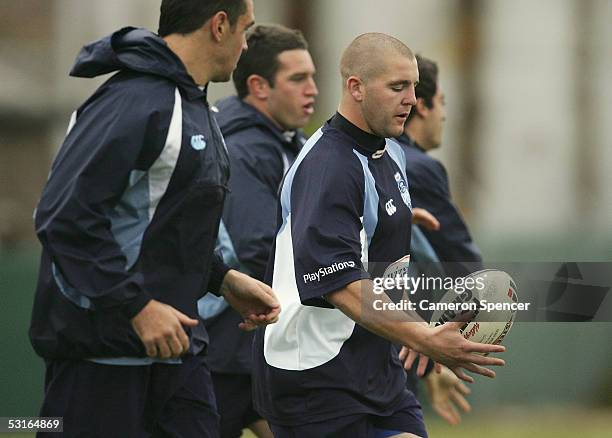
{"x": 396, "y": 128}
{"x": 299, "y": 122}
{"x": 222, "y": 76}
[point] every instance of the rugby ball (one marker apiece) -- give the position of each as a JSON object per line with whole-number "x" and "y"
{"x": 488, "y": 306}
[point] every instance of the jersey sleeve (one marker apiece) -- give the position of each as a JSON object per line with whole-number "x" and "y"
{"x": 327, "y": 199}
{"x": 218, "y": 269}
{"x": 120, "y": 129}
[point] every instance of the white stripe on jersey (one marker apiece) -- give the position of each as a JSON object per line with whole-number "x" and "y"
{"x": 161, "y": 170}
{"x": 305, "y": 336}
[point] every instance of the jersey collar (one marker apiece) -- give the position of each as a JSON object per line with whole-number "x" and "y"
{"x": 368, "y": 144}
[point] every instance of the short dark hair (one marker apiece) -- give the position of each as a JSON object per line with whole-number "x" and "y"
{"x": 186, "y": 16}
{"x": 265, "y": 43}
{"x": 428, "y": 82}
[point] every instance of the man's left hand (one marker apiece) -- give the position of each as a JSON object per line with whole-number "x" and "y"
{"x": 446, "y": 395}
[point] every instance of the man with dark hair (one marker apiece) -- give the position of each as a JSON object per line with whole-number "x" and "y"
{"x": 326, "y": 368}
{"x": 452, "y": 242}
{"x": 428, "y": 179}
{"x": 127, "y": 221}
{"x": 184, "y": 17}
{"x": 261, "y": 127}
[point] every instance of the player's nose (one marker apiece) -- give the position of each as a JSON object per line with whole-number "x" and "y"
{"x": 410, "y": 98}
{"x": 311, "y": 88}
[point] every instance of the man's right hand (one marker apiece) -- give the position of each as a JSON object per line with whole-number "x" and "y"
{"x": 444, "y": 344}
{"x": 160, "y": 328}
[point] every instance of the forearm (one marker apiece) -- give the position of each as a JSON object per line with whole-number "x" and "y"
{"x": 443, "y": 344}
{"x": 92, "y": 265}
{"x": 356, "y": 300}
{"x": 230, "y": 276}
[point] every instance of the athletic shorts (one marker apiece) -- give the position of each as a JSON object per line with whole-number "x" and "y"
{"x": 156, "y": 400}
{"x": 407, "y": 418}
{"x": 234, "y": 403}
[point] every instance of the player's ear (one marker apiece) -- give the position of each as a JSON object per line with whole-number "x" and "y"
{"x": 355, "y": 88}
{"x": 258, "y": 87}
{"x": 421, "y": 107}
{"x": 219, "y": 25}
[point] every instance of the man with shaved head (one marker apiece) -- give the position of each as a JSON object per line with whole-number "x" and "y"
{"x": 327, "y": 368}
{"x": 369, "y": 58}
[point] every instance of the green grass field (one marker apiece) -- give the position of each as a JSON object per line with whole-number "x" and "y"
{"x": 523, "y": 423}
{"x": 561, "y": 424}
{"x": 510, "y": 423}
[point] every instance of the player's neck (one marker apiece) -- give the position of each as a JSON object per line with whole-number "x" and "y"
{"x": 261, "y": 106}
{"x": 416, "y": 133}
{"x": 194, "y": 53}
{"x": 353, "y": 114}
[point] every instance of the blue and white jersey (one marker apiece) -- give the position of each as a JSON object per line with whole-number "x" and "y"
{"x": 345, "y": 214}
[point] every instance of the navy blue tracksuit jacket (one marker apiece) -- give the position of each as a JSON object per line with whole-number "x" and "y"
{"x": 132, "y": 206}
{"x": 260, "y": 155}
{"x": 452, "y": 244}
{"x": 429, "y": 189}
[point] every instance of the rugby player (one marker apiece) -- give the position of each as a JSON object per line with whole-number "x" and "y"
{"x": 327, "y": 368}
{"x": 261, "y": 126}
{"x": 127, "y": 222}
{"x": 450, "y": 247}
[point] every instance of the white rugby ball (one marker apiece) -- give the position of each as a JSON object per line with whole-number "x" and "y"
{"x": 489, "y": 307}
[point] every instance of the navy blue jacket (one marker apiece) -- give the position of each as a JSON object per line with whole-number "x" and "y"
{"x": 429, "y": 189}
{"x": 260, "y": 154}
{"x": 132, "y": 205}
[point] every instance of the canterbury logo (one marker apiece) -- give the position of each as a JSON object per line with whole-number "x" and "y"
{"x": 391, "y": 209}
{"x": 198, "y": 142}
